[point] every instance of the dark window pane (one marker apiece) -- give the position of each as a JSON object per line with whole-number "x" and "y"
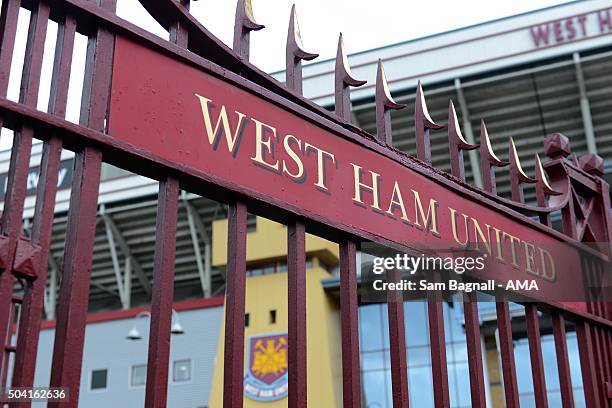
{"x": 99, "y": 379}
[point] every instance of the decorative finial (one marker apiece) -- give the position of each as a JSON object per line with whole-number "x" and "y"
{"x": 423, "y": 123}
{"x": 344, "y": 80}
{"x": 244, "y": 24}
{"x": 592, "y": 164}
{"x": 557, "y": 145}
{"x": 384, "y": 105}
{"x": 295, "y": 54}
{"x": 517, "y": 174}
{"x": 456, "y": 143}
{"x": 488, "y": 160}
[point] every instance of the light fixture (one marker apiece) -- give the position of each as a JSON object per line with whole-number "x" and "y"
{"x": 176, "y": 329}
{"x": 176, "y": 326}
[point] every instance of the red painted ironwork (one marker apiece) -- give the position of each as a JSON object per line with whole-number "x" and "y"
{"x": 397, "y": 345}
{"x": 296, "y": 276}
{"x": 234, "y": 305}
{"x": 163, "y": 294}
{"x": 474, "y": 349}
{"x": 351, "y": 382}
{"x": 565, "y": 183}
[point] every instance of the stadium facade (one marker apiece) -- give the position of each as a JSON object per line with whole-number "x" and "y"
{"x": 526, "y": 75}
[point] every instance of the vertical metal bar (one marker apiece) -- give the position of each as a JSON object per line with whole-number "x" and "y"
{"x": 234, "y": 306}
{"x": 474, "y": 349}
{"x": 294, "y": 54}
{"x": 163, "y": 295}
{"x": 587, "y": 364}
{"x": 507, "y": 354}
{"x": 37, "y": 32}
{"x": 565, "y": 379}
{"x": 20, "y": 160}
{"x": 296, "y": 267}
{"x": 535, "y": 354}
{"x": 343, "y": 80}
{"x": 74, "y": 288}
{"x": 600, "y": 359}
{"x": 5, "y": 342}
{"x": 438, "y": 351}
{"x": 423, "y": 123}
{"x": 351, "y": 384}
{"x": 29, "y": 327}
{"x": 397, "y": 345}
{"x": 384, "y": 105}
{"x": 80, "y": 235}
{"x": 8, "y": 31}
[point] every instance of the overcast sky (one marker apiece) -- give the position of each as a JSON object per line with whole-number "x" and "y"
{"x": 365, "y": 24}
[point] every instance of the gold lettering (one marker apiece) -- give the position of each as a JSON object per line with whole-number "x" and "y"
{"x": 261, "y": 131}
{"x": 513, "y": 241}
{"x": 397, "y": 201}
{"x": 222, "y": 120}
{"x": 485, "y": 239}
{"x": 432, "y": 211}
{"x": 454, "y": 227}
{"x": 321, "y": 169}
{"x": 530, "y": 266}
{"x": 359, "y": 185}
{"x": 294, "y": 156}
{"x": 547, "y": 274}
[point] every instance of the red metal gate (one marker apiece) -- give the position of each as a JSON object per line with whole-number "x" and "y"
{"x": 575, "y": 188}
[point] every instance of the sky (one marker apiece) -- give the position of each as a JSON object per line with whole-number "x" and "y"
{"x": 365, "y": 24}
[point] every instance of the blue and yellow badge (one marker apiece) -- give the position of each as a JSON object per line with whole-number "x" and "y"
{"x": 266, "y": 378}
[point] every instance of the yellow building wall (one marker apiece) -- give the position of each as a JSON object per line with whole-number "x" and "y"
{"x": 269, "y": 292}
{"x": 269, "y": 241}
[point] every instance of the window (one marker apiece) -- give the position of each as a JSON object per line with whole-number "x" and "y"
{"x": 182, "y": 371}
{"x": 99, "y": 379}
{"x": 272, "y": 316}
{"x": 138, "y": 376}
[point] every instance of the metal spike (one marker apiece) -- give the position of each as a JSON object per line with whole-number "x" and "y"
{"x": 517, "y": 174}
{"x": 244, "y": 24}
{"x": 543, "y": 190}
{"x": 295, "y": 54}
{"x": 423, "y": 123}
{"x": 384, "y": 105}
{"x": 542, "y": 178}
{"x": 488, "y": 160}
{"x": 515, "y": 164}
{"x": 456, "y": 143}
{"x": 344, "y": 80}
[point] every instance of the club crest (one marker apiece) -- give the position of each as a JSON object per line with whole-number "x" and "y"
{"x": 266, "y": 376}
